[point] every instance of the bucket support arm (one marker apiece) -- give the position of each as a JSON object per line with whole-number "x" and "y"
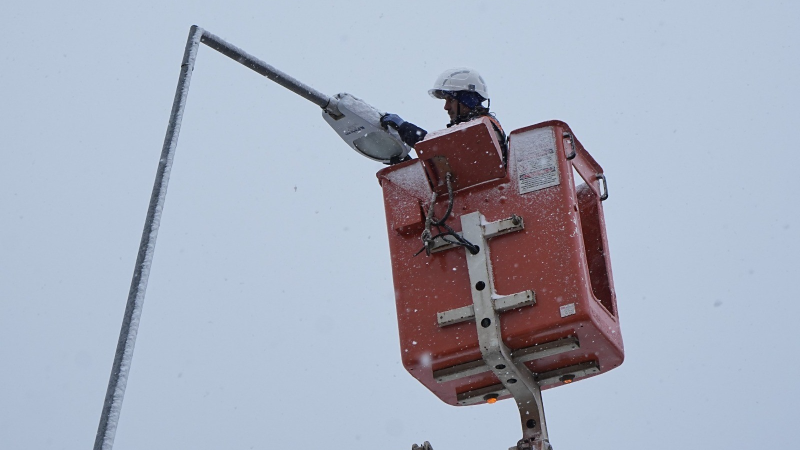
{"x": 514, "y": 375}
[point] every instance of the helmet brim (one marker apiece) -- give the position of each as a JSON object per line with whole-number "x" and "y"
{"x": 439, "y": 93}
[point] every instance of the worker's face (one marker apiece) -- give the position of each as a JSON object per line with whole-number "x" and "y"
{"x": 451, "y": 105}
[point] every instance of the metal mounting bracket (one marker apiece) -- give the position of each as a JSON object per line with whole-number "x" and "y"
{"x": 515, "y": 377}
{"x": 521, "y": 355}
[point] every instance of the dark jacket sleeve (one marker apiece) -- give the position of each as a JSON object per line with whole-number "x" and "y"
{"x": 410, "y": 133}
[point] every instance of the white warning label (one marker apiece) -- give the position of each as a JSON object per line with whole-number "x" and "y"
{"x": 537, "y": 165}
{"x": 567, "y": 310}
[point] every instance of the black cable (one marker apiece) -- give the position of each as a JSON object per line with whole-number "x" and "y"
{"x": 428, "y": 240}
{"x": 450, "y": 202}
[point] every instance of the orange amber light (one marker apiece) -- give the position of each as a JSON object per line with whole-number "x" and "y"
{"x": 491, "y": 400}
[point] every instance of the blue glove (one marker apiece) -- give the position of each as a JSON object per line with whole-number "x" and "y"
{"x": 392, "y": 120}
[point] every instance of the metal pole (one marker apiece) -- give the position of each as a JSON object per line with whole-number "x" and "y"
{"x": 120, "y": 369}
{"x": 250, "y": 61}
{"x": 133, "y": 310}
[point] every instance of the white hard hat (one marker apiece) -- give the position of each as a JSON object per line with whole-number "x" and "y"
{"x": 459, "y": 79}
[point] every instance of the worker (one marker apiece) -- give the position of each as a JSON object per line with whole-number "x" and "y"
{"x": 463, "y": 91}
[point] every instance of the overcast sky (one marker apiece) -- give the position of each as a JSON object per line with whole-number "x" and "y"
{"x": 269, "y": 320}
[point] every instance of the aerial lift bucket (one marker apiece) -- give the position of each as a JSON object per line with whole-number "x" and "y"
{"x": 528, "y": 302}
